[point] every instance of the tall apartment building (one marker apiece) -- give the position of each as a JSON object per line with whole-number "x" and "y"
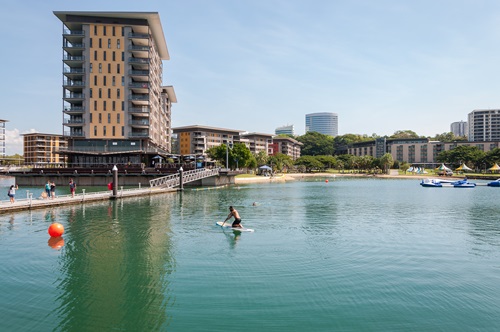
{"x": 115, "y": 108}
{"x": 41, "y": 150}
{"x": 288, "y": 146}
{"x": 2, "y": 138}
{"x": 484, "y": 125}
{"x": 325, "y": 123}
{"x": 459, "y": 128}
{"x": 287, "y": 130}
{"x": 196, "y": 139}
{"x": 257, "y": 142}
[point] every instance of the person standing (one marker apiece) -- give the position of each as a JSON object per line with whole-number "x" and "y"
{"x": 12, "y": 193}
{"x": 47, "y": 189}
{"x": 237, "y": 220}
{"x": 72, "y": 187}
{"x": 53, "y": 190}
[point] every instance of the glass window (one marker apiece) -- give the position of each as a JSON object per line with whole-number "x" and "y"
{"x": 118, "y": 118}
{"x": 90, "y": 42}
{"x": 109, "y": 43}
{"x": 113, "y": 105}
{"x": 100, "y": 118}
{"x": 90, "y": 92}
{"x": 113, "y": 30}
{"x": 100, "y": 93}
{"x": 104, "y": 105}
{"x": 109, "y": 117}
{"x": 104, "y": 55}
{"x": 95, "y": 130}
{"x": 104, "y": 80}
{"x": 113, "y": 81}
{"x": 100, "y": 67}
{"x": 118, "y": 68}
{"x": 100, "y": 43}
{"x": 95, "y": 79}
{"x": 117, "y": 93}
{"x": 90, "y": 117}
{"x": 109, "y": 93}
{"x": 104, "y": 130}
{"x": 118, "y": 43}
{"x": 104, "y": 30}
{"x": 109, "y": 68}
{"x": 114, "y": 56}
{"x": 95, "y": 55}
{"x": 91, "y": 67}
{"x": 95, "y": 30}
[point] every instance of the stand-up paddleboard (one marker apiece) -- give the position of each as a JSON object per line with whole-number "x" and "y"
{"x": 238, "y": 229}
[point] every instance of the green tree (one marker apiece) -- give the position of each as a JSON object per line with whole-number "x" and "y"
{"x": 405, "y": 134}
{"x": 404, "y": 166}
{"x": 316, "y": 144}
{"x": 472, "y": 156}
{"x": 261, "y": 158}
{"x": 239, "y": 156}
{"x": 448, "y": 137}
{"x": 327, "y": 161}
{"x": 386, "y": 162}
{"x": 309, "y": 162}
{"x": 279, "y": 161}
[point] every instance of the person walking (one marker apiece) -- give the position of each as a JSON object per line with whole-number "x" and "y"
{"x": 72, "y": 187}
{"x": 12, "y": 193}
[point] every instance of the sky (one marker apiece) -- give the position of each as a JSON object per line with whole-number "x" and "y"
{"x": 255, "y": 65}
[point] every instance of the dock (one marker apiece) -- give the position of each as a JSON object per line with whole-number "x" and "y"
{"x": 25, "y": 204}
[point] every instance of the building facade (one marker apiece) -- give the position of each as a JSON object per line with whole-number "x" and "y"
{"x": 196, "y": 139}
{"x": 459, "y": 128}
{"x": 257, "y": 142}
{"x": 288, "y": 146}
{"x": 420, "y": 151}
{"x": 115, "y": 108}
{"x": 323, "y": 123}
{"x": 3, "y": 151}
{"x": 41, "y": 150}
{"x": 484, "y": 125}
{"x": 287, "y": 130}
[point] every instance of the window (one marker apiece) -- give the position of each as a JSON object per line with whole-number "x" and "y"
{"x": 113, "y": 81}
{"x": 114, "y": 56}
{"x": 118, "y": 43}
{"x": 123, "y": 80}
{"x": 109, "y": 43}
{"x": 90, "y": 42}
{"x": 117, "y": 93}
{"x": 95, "y": 30}
{"x": 113, "y": 30}
{"x": 123, "y": 56}
{"x": 109, "y": 68}
{"x": 118, "y": 68}
{"x": 104, "y": 80}
{"x": 123, "y": 131}
{"x": 100, "y": 43}
{"x": 123, "y": 31}
{"x": 95, "y": 79}
{"x": 113, "y": 105}
{"x": 91, "y": 67}
{"x": 95, "y": 130}
{"x": 104, "y": 130}
{"x": 95, "y": 55}
{"x": 109, "y": 93}
{"x": 100, "y": 67}
{"x": 104, "y": 105}
{"x": 109, "y": 117}
{"x": 118, "y": 118}
{"x": 95, "y": 105}
{"x": 104, "y": 30}
{"x": 100, "y": 118}
{"x": 104, "y": 55}
{"x": 90, "y": 117}
{"x": 113, "y": 131}
{"x": 100, "y": 93}
{"x": 123, "y": 106}
{"x": 90, "y": 92}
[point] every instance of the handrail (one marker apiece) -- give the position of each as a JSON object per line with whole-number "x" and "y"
{"x": 173, "y": 180}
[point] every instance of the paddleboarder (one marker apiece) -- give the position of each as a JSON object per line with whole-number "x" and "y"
{"x": 237, "y": 220}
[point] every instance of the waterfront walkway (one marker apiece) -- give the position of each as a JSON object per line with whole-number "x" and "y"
{"x": 23, "y": 204}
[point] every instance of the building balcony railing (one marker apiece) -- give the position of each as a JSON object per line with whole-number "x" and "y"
{"x": 144, "y": 122}
{"x": 144, "y": 85}
{"x": 73, "y": 83}
{"x": 139, "y": 110}
{"x": 74, "y": 70}
{"x": 139, "y": 60}
{"x": 139, "y": 72}
{"x": 74, "y": 96}
{"x": 68, "y": 57}
{"x": 74, "y": 32}
{"x": 138, "y": 48}
{"x": 139, "y": 134}
{"x": 74, "y": 121}
{"x": 138, "y": 35}
{"x": 74, "y": 109}
{"x": 138, "y": 97}
{"x": 74, "y": 133}
{"x": 75, "y": 45}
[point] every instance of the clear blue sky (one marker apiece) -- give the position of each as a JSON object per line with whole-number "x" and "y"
{"x": 256, "y": 65}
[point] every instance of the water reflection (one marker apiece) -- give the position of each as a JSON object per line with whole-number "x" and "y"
{"x": 116, "y": 264}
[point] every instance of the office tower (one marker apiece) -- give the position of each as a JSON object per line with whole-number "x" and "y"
{"x": 287, "y": 130}
{"x": 484, "y": 125}
{"x": 324, "y": 123}
{"x": 459, "y": 128}
{"x": 115, "y": 109}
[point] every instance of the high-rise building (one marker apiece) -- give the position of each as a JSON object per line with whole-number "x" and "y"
{"x": 115, "y": 108}
{"x": 459, "y": 128}
{"x": 325, "y": 123}
{"x": 484, "y": 125}
{"x": 287, "y": 130}
{"x": 2, "y": 138}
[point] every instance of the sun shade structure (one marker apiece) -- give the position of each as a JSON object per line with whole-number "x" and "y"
{"x": 463, "y": 167}
{"x": 443, "y": 168}
{"x": 494, "y": 168}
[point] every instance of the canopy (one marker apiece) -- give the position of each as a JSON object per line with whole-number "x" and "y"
{"x": 463, "y": 167}
{"x": 265, "y": 167}
{"x": 157, "y": 157}
{"x": 494, "y": 168}
{"x": 443, "y": 168}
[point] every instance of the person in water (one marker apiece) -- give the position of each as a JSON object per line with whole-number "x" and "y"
{"x": 237, "y": 220}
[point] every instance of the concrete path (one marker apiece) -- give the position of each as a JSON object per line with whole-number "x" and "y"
{"x": 23, "y": 204}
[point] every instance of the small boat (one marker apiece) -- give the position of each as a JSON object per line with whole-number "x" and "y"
{"x": 431, "y": 183}
{"x": 464, "y": 184}
{"x": 495, "y": 183}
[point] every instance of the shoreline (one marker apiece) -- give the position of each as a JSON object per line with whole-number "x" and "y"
{"x": 298, "y": 176}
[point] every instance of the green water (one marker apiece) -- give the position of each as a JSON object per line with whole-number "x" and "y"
{"x": 348, "y": 255}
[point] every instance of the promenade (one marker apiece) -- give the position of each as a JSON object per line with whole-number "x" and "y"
{"x": 24, "y": 204}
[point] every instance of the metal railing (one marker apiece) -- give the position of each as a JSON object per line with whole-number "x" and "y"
{"x": 173, "y": 180}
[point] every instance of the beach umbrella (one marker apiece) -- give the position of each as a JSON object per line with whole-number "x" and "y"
{"x": 494, "y": 168}
{"x": 265, "y": 167}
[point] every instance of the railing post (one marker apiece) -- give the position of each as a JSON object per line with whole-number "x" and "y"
{"x": 83, "y": 195}
{"x": 30, "y": 198}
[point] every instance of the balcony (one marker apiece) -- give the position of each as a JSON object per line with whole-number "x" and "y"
{"x": 73, "y": 60}
{"x": 144, "y": 111}
{"x": 144, "y": 123}
{"x": 72, "y": 110}
{"x": 74, "y": 96}
{"x": 138, "y": 35}
{"x": 74, "y": 122}
{"x": 74, "y": 133}
{"x": 139, "y": 134}
{"x": 139, "y": 60}
{"x": 138, "y": 72}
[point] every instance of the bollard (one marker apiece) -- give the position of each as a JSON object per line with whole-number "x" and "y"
{"x": 115, "y": 181}
{"x": 30, "y": 198}
{"x": 181, "y": 180}
{"x": 83, "y": 191}
{"x": 121, "y": 191}
{"x": 139, "y": 185}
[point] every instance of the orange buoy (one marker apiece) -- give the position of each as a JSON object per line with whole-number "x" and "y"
{"x": 56, "y": 229}
{"x": 326, "y": 181}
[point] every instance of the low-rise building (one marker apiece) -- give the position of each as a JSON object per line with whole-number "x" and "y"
{"x": 41, "y": 150}
{"x": 196, "y": 139}
{"x": 287, "y": 145}
{"x": 257, "y": 142}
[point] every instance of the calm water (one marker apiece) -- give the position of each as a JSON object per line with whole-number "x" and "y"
{"x": 348, "y": 255}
